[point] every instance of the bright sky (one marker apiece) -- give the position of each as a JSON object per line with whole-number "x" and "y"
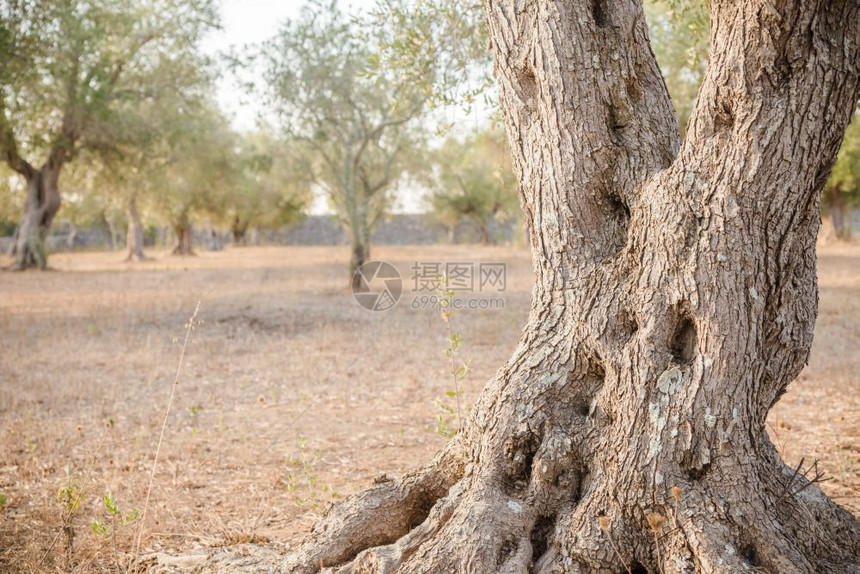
{"x": 248, "y": 22}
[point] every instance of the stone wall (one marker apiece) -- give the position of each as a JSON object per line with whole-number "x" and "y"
{"x": 399, "y": 229}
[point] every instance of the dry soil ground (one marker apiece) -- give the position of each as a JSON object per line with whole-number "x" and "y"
{"x": 290, "y": 395}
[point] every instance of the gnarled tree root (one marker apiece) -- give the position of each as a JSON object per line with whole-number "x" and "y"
{"x": 379, "y": 515}
{"x": 446, "y": 517}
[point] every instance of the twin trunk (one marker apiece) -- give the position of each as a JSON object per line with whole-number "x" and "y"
{"x": 675, "y": 300}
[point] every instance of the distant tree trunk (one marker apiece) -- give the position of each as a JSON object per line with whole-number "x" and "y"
{"x": 239, "y": 230}
{"x": 674, "y": 301}
{"x": 182, "y": 229}
{"x": 360, "y": 256}
{"x": 42, "y": 204}
{"x": 486, "y": 233}
{"x": 452, "y": 233}
{"x": 360, "y": 228}
{"x": 215, "y": 243}
{"x": 73, "y": 235}
{"x": 837, "y": 212}
{"x": 114, "y": 233}
{"x": 134, "y": 237}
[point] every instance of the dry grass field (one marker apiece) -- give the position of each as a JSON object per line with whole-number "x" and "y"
{"x": 290, "y": 395}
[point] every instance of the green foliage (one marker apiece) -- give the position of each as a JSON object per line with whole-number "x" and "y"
{"x": 439, "y": 46}
{"x": 77, "y": 76}
{"x": 69, "y": 495}
{"x": 846, "y": 171}
{"x": 12, "y": 195}
{"x": 302, "y": 481}
{"x": 114, "y": 514}
{"x": 271, "y": 187}
{"x": 194, "y": 165}
{"x": 72, "y": 73}
{"x": 90, "y": 196}
{"x": 474, "y": 181}
{"x": 450, "y": 417}
{"x": 679, "y": 37}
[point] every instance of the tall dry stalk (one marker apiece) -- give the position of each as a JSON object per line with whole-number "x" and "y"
{"x": 189, "y": 326}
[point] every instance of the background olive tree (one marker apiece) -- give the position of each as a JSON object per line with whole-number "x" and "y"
{"x": 473, "y": 182}
{"x": 272, "y": 187}
{"x": 351, "y": 123}
{"x": 70, "y": 75}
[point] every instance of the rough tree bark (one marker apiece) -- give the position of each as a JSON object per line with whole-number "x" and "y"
{"x": 182, "y": 229}
{"x": 43, "y": 202}
{"x": 674, "y": 301}
{"x": 134, "y": 237}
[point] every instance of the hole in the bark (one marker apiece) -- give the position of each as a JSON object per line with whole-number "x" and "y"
{"x": 751, "y": 555}
{"x": 520, "y": 453}
{"x": 421, "y": 508}
{"x": 780, "y": 74}
{"x": 625, "y": 326}
{"x": 723, "y": 114}
{"x": 585, "y": 387}
{"x": 683, "y": 345}
{"x": 506, "y": 550}
{"x": 541, "y": 532}
{"x": 697, "y": 472}
{"x": 582, "y": 408}
{"x": 599, "y": 13}
{"x": 618, "y": 215}
{"x": 619, "y": 207}
{"x": 616, "y": 122}
{"x": 582, "y": 483}
{"x": 528, "y": 86}
{"x": 634, "y": 91}
{"x": 637, "y": 568}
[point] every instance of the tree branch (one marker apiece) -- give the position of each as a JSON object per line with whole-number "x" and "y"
{"x": 799, "y": 75}
{"x": 579, "y": 77}
{"x": 9, "y": 147}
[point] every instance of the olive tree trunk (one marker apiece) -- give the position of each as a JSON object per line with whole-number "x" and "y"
{"x": 239, "y": 229}
{"x": 359, "y": 255}
{"x": 674, "y": 301}
{"x": 43, "y": 202}
{"x": 134, "y": 237}
{"x": 836, "y": 210}
{"x": 486, "y": 233}
{"x": 182, "y": 229}
{"x": 72, "y": 237}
